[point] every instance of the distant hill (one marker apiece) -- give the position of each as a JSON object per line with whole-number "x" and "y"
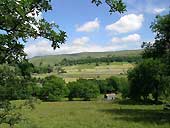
{"x": 54, "y": 59}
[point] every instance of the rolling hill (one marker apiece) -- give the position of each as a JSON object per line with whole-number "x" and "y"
{"x": 54, "y": 59}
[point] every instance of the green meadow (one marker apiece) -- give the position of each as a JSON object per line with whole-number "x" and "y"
{"x": 89, "y": 71}
{"x": 95, "y": 114}
{"x": 55, "y": 59}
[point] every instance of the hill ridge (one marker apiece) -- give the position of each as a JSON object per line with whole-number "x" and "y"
{"x": 53, "y": 59}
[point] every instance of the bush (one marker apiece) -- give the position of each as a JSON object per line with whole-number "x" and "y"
{"x": 53, "y": 89}
{"x": 86, "y": 89}
{"x": 103, "y": 85}
{"x": 112, "y": 84}
{"x": 13, "y": 85}
{"x": 123, "y": 86}
{"x": 147, "y": 78}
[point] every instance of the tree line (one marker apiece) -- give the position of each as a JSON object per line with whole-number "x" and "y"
{"x": 89, "y": 60}
{"x": 107, "y": 60}
{"x": 53, "y": 88}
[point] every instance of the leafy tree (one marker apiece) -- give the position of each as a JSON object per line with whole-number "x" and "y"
{"x": 115, "y": 5}
{"x": 147, "y": 78}
{"x": 112, "y": 85}
{"x": 88, "y": 89}
{"x": 161, "y": 47}
{"x": 11, "y": 114}
{"x": 8, "y": 82}
{"x": 13, "y": 84}
{"x": 82, "y": 88}
{"x": 25, "y": 68}
{"x": 123, "y": 86}
{"x": 53, "y": 89}
{"x": 19, "y": 22}
{"x": 152, "y": 75}
{"x": 103, "y": 85}
{"x": 74, "y": 90}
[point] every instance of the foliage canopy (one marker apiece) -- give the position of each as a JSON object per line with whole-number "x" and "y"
{"x": 20, "y": 20}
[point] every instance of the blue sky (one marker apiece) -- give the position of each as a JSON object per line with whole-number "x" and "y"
{"x": 93, "y": 29}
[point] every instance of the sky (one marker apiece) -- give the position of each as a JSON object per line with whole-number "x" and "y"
{"x": 92, "y": 29}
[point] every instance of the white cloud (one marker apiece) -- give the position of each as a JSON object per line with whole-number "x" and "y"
{"x": 81, "y": 41}
{"x": 43, "y": 47}
{"x": 127, "y": 23}
{"x": 89, "y": 26}
{"x": 130, "y": 38}
{"x": 40, "y": 48}
{"x": 158, "y": 10}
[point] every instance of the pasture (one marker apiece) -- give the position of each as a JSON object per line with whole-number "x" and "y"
{"x": 95, "y": 114}
{"x": 55, "y": 59}
{"x": 89, "y": 71}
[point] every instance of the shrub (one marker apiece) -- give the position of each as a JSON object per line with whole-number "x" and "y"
{"x": 112, "y": 84}
{"x": 86, "y": 89}
{"x": 53, "y": 89}
{"x": 147, "y": 78}
{"x": 13, "y": 86}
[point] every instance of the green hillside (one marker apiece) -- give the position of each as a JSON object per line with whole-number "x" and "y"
{"x": 54, "y": 59}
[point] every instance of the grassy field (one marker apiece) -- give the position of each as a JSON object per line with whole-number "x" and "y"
{"x": 88, "y": 71}
{"x": 96, "y": 114}
{"x": 54, "y": 59}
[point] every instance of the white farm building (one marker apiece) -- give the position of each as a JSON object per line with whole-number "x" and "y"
{"x": 110, "y": 96}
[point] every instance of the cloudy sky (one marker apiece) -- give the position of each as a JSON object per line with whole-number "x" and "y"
{"x": 93, "y": 29}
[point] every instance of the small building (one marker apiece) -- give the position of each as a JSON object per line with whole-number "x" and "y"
{"x": 110, "y": 96}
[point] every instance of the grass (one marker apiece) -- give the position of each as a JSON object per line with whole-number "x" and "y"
{"x": 88, "y": 71}
{"x": 96, "y": 114}
{"x": 54, "y": 59}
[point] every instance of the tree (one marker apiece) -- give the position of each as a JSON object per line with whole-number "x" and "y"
{"x": 152, "y": 75}
{"x": 19, "y": 22}
{"x": 112, "y": 85}
{"x": 123, "y": 86}
{"x": 115, "y": 5}
{"x": 53, "y": 89}
{"x": 86, "y": 89}
{"x": 161, "y": 47}
{"x": 74, "y": 90}
{"x": 13, "y": 84}
{"x": 103, "y": 85}
{"x": 8, "y": 82}
{"x": 25, "y": 68}
{"x": 147, "y": 78}
{"x": 11, "y": 114}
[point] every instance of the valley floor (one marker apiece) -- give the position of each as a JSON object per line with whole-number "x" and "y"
{"x": 96, "y": 114}
{"x": 89, "y": 71}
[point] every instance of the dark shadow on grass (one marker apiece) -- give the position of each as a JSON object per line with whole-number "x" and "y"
{"x": 139, "y": 115}
{"x": 141, "y": 102}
